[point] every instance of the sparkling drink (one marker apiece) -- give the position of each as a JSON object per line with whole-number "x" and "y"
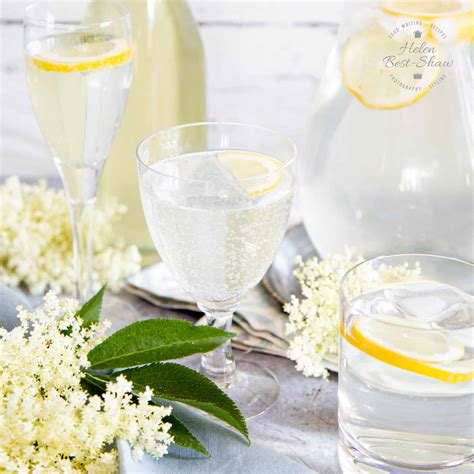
{"x": 216, "y": 198}
{"x": 78, "y": 73}
{"x": 218, "y": 244}
{"x": 78, "y": 85}
{"x": 406, "y": 386}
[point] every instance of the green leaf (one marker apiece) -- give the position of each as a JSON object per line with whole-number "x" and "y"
{"x": 183, "y": 437}
{"x": 154, "y": 340}
{"x": 90, "y": 311}
{"x": 179, "y": 383}
{"x": 93, "y": 385}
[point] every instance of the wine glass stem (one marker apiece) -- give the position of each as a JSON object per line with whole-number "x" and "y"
{"x": 82, "y": 217}
{"x": 219, "y": 364}
{"x": 80, "y": 184}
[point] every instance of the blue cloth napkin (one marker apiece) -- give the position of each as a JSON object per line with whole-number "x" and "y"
{"x": 229, "y": 452}
{"x": 9, "y": 300}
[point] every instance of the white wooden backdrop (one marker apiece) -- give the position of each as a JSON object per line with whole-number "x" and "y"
{"x": 263, "y": 59}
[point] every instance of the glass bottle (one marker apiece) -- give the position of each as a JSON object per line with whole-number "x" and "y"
{"x": 168, "y": 88}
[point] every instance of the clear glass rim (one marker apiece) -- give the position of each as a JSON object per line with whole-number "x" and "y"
{"x": 29, "y": 20}
{"x": 286, "y": 165}
{"x": 342, "y": 283}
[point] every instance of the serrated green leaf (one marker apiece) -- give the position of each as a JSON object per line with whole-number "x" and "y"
{"x": 178, "y": 383}
{"x": 154, "y": 340}
{"x": 183, "y": 437}
{"x": 90, "y": 311}
{"x": 181, "y": 434}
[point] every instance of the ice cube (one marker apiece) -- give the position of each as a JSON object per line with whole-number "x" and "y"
{"x": 201, "y": 179}
{"x": 429, "y": 302}
{"x": 209, "y": 168}
{"x": 464, "y": 320}
{"x": 377, "y": 304}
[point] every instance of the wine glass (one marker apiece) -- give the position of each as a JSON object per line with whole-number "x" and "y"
{"x": 216, "y": 198}
{"x": 78, "y": 73}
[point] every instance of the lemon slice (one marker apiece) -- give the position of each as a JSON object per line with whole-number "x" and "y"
{"x": 73, "y": 53}
{"x": 454, "y": 29}
{"x": 413, "y": 348}
{"x": 425, "y": 9}
{"x": 416, "y": 341}
{"x": 465, "y": 25}
{"x": 366, "y": 75}
{"x": 256, "y": 173}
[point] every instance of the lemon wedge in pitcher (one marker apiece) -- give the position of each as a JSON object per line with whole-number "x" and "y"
{"x": 459, "y": 28}
{"x": 256, "y": 173}
{"x": 425, "y": 9}
{"x": 79, "y": 53}
{"x": 380, "y": 77}
{"x": 412, "y": 347}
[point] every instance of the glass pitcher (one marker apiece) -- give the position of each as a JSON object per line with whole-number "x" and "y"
{"x": 388, "y": 158}
{"x": 168, "y": 89}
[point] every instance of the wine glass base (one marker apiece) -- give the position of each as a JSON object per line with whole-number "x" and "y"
{"x": 253, "y": 388}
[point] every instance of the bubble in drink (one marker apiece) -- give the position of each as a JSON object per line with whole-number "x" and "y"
{"x": 219, "y": 227}
{"x": 78, "y": 86}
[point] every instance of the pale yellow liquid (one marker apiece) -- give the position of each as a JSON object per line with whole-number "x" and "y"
{"x": 167, "y": 89}
{"x": 216, "y": 238}
{"x": 78, "y": 112}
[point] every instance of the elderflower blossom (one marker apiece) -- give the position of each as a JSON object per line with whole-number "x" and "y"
{"x": 314, "y": 320}
{"x": 36, "y": 241}
{"x": 49, "y": 422}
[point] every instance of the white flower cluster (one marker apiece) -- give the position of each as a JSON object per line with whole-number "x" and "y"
{"x": 49, "y": 423}
{"x": 314, "y": 320}
{"x": 36, "y": 241}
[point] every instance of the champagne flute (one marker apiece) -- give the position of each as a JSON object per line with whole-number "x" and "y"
{"x": 216, "y": 198}
{"x": 78, "y": 74}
